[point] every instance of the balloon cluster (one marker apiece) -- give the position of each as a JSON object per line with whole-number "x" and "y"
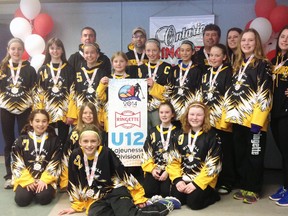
{"x": 271, "y": 18}
{"x": 31, "y": 27}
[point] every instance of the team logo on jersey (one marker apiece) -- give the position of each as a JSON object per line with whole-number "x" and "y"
{"x": 131, "y": 92}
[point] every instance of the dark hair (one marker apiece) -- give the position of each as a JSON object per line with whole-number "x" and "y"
{"x": 212, "y": 27}
{"x": 168, "y": 103}
{"x": 190, "y": 43}
{"x": 278, "y": 50}
{"x": 58, "y": 43}
{"x": 50, "y": 130}
{"x": 88, "y": 28}
{"x": 223, "y": 49}
{"x": 229, "y": 51}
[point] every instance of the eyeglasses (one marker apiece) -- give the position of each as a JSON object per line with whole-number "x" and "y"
{"x": 138, "y": 36}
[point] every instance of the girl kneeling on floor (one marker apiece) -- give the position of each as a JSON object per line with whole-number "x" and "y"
{"x": 36, "y": 157}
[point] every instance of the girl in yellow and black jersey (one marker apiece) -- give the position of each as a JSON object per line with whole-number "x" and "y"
{"x": 186, "y": 79}
{"x": 36, "y": 160}
{"x": 159, "y": 79}
{"x": 86, "y": 82}
{"x": 247, "y": 104}
{"x": 17, "y": 81}
{"x": 215, "y": 82}
{"x": 54, "y": 81}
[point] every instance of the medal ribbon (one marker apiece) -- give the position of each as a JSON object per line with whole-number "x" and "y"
{"x": 165, "y": 142}
{"x": 206, "y": 56}
{"x": 137, "y": 58}
{"x": 155, "y": 70}
{"x": 90, "y": 176}
{"x": 242, "y": 71}
{"x": 192, "y": 145}
{"x": 181, "y": 77}
{"x": 90, "y": 81}
{"x": 43, "y": 138}
{"x": 14, "y": 76}
{"x": 212, "y": 79}
{"x": 55, "y": 78}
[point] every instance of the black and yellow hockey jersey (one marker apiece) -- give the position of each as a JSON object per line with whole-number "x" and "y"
{"x": 215, "y": 97}
{"x": 280, "y": 77}
{"x": 155, "y": 154}
{"x": 162, "y": 83}
{"x": 17, "y": 98}
{"x": 109, "y": 174}
{"x": 77, "y": 60}
{"x": 132, "y": 63}
{"x": 181, "y": 97}
{"x": 54, "y": 98}
{"x": 202, "y": 165}
{"x": 80, "y": 90}
{"x": 249, "y": 100}
{"x": 201, "y": 59}
{"x": 24, "y": 161}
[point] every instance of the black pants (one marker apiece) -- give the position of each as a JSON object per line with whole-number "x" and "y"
{"x": 8, "y": 125}
{"x": 63, "y": 130}
{"x": 279, "y": 128}
{"x": 227, "y": 175}
{"x": 249, "y": 157}
{"x": 120, "y": 203}
{"x": 198, "y": 199}
{"x": 23, "y": 197}
{"x": 154, "y": 187}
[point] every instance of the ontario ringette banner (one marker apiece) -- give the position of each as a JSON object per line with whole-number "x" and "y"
{"x": 127, "y": 119}
{"x": 171, "y": 31}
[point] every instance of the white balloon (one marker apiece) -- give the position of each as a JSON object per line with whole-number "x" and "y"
{"x": 34, "y": 44}
{"x": 30, "y": 8}
{"x": 263, "y": 27}
{"x": 20, "y": 28}
{"x": 37, "y": 61}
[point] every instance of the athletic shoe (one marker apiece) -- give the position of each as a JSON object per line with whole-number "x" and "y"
{"x": 155, "y": 198}
{"x": 169, "y": 204}
{"x": 223, "y": 190}
{"x": 251, "y": 197}
{"x": 157, "y": 209}
{"x": 8, "y": 184}
{"x": 278, "y": 195}
{"x": 284, "y": 200}
{"x": 175, "y": 201}
{"x": 239, "y": 195}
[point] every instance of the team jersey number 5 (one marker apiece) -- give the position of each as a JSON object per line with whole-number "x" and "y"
{"x": 79, "y": 77}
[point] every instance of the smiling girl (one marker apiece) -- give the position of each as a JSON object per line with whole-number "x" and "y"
{"x": 195, "y": 160}
{"x": 36, "y": 160}
{"x": 247, "y": 106}
{"x": 17, "y": 81}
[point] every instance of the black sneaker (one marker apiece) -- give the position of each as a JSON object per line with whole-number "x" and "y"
{"x": 156, "y": 209}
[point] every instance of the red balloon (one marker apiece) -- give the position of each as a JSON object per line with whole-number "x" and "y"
{"x": 248, "y": 24}
{"x": 263, "y": 8}
{"x": 279, "y": 17}
{"x": 25, "y": 56}
{"x": 43, "y": 24}
{"x": 270, "y": 55}
{"x": 18, "y": 13}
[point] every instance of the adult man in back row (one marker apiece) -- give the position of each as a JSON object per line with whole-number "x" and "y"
{"x": 88, "y": 35}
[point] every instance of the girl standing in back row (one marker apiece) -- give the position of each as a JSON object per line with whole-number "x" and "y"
{"x": 247, "y": 105}
{"x": 17, "y": 81}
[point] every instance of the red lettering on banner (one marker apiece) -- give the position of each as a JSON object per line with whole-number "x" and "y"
{"x": 127, "y": 119}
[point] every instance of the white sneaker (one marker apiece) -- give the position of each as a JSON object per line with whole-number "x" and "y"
{"x": 8, "y": 184}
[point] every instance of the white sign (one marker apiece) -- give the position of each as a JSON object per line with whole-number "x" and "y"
{"x": 127, "y": 119}
{"x": 171, "y": 31}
